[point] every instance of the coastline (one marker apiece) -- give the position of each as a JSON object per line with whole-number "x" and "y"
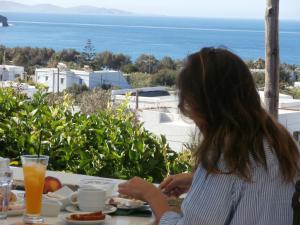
{"x": 158, "y": 36}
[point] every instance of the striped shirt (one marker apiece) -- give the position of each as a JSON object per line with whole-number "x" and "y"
{"x": 220, "y": 199}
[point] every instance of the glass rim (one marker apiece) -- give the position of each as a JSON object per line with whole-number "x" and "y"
{"x": 35, "y": 156}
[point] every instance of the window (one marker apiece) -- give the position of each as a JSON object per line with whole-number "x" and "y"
{"x": 80, "y": 81}
{"x": 62, "y": 80}
{"x": 46, "y": 78}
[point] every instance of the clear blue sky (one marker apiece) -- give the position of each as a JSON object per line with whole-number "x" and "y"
{"x": 289, "y": 9}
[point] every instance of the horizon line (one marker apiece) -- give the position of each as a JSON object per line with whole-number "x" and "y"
{"x": 155, "y": 16}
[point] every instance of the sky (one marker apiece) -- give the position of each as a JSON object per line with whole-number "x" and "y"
{"x": 289, "y": 9}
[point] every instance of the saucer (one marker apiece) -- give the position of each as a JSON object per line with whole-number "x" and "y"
{"x": 15, "y": 212}
{"x": 125, "y": 203}
{"x": 84, "y": 222}
{"x": 107, "y": 209}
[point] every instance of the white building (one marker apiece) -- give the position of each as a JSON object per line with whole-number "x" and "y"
{"x": 26, "y": 89}
{"x": 297, "y": 84}
{"x": 160, "y": 115}
{"x": 10, "y": 72}
{"x": 64, "y": 78}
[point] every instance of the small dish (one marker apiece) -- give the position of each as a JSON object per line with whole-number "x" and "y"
{"x": 84, "y": 222}
{"x": 16, "y": 208}
{"x": 61, "y": 195}
{"x": 124, "y": 203}
{"x": 107, "y": 210}
{"x": 15, "y": 212}
{"x": 51, "y": 207}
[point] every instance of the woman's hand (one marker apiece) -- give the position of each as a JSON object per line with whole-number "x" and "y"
{"x": 138, "y": 189}
{"x": 145, "y": 191}
{"x": 175, "y": 185}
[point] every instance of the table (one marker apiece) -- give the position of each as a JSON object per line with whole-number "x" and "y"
{"x": 116, "y": 220}
{"x": 73, "y": 179}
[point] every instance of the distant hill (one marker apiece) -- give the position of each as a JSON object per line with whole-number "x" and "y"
{"x": 9, "y": 6}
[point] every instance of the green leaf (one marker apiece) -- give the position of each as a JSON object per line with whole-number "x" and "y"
{"x": 32, "y": 113}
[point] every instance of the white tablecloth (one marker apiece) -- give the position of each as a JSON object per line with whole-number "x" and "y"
{"x": 73, "y": 179}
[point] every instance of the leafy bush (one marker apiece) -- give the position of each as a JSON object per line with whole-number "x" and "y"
{"x": 164, "y": 77}
{"x": 137, "y": 80}
{"x": 89, "y": 101}
{"x": 293, "y": 91}
{"x": 110, "y": 143}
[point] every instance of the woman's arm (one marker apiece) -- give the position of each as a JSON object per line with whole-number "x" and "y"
{"x": 175, "y": 185}
{"x": 158, "y": 203}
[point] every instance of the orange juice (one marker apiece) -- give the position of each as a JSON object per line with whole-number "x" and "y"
{"x": 34, "y": 176}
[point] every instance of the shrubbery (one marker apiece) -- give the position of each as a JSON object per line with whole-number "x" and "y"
{"x": 110, "y": 143}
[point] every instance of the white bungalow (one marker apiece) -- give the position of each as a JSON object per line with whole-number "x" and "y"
{"x": 10, "y": 72}
{"x": 26, "y": 89}
{"x": 62, "y": 78}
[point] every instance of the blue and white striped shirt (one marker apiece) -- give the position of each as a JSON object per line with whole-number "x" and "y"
{"x": 220, "y": 199}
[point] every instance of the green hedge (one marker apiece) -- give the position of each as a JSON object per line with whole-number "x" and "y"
{"x": 110, "y": 143}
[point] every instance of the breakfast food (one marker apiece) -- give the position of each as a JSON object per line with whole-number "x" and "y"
{"x": 51, "y": 184}
{"x": 54, "y": 196}
{"x": 12, "y": 197}
{"x": 125, "y": 203}
{"x": 13, "y": 205}
{"x": 87, "y": 216}
{"x": 126, "y": 197}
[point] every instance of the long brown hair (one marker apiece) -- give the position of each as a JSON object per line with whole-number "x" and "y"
{"x": 217, "y": 91}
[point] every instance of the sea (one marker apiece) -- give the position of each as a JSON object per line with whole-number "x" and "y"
{"x": 158, "y": 36}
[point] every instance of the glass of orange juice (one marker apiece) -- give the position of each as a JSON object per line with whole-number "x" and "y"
{"x": 34, "y": 169}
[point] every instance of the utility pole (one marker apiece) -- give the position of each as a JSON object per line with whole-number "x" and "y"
{"x": 53, "y": 81}
{"x": 3, "y": 59}
{"x": 137, "y": 99}
{"x": 271, "y": 92}
{"x": 149, "y": 64}
{"x": 57, "y": 80}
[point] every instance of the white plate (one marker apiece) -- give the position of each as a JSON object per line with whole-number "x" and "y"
{"x": 87, "y": 222}
{"x": 124, "y": 203}
{"x": 74, "y": 209}
{"x": 15, "y": 212}
{"x": 19, "y": 203}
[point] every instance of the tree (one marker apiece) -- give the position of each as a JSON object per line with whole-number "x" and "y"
{"x": 272, "y": 58}
{"x": 166, "y": 63}
{"x": 88, "y": 53}
{"x": 120, "y": 60}
{"x": 112, "y": 61}
{"x": 104, "y": 59}
{"x": 128, "y": 68}
{"x": 179, "y": 64}
{"x": 146, "y": 63}
{"x": 137, "y": 80}
{"x": 68, "y": 55}
{"x": 259, "y": 79}
{"x": 165, "y": 77}
{"x": 260, "y": 63}
{"x": 19, "y": 59}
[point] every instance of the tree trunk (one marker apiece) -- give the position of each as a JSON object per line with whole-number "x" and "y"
{"x": 272, "y": 58}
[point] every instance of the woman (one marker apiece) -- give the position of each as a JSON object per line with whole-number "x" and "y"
{"x": 246, "y": 163}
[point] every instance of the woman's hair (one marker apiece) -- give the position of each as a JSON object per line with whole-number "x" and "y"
{"x": 217, "y": 91}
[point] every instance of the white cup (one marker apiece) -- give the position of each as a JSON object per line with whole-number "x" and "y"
{"x": 89, "y": 199}
{"x": 102, "y": 183}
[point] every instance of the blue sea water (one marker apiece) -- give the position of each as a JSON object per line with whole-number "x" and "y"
{"x": 160, "y": 36}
